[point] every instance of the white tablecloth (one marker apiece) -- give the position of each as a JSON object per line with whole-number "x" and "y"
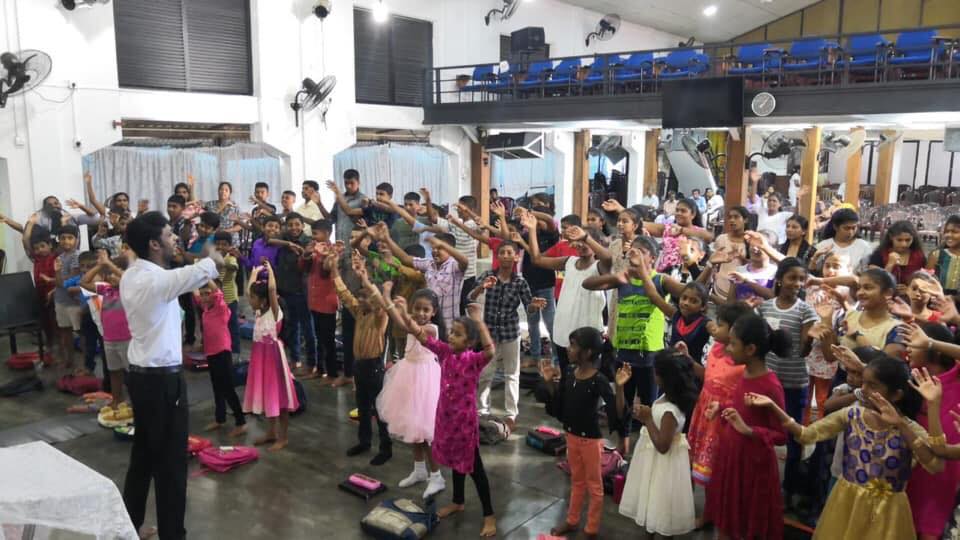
{"x": 39, "y": 485}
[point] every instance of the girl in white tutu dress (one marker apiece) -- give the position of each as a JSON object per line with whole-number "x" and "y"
{"x": 657, "y": 493}
{"x": 411, "y": 389}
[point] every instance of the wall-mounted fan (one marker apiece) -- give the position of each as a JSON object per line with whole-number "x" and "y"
{"x": 778, "y": 146}
{"x": 23, "y": 72}
{"x": 842, "y": 145}
{"x": 610, "y": 147}
{"x": 312, "y": 94}
{"x": 606, "y": 29}
{"x": 504, "y": 12}
{"x": 71, "y": 5}
{"x": 702, "y": 153}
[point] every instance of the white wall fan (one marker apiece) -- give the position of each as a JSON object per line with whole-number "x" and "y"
{"x": 505, "y": 11}
{"x": 605, "y": 30}
{"x": 23, "y": 72}
{"x": 312, "y": 94}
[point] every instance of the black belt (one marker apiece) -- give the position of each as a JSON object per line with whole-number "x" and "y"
{"x": 163, "y": 370}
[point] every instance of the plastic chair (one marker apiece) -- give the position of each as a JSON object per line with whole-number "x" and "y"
{"x": 634, "y": 72}
{"x": 809, "y": 56}
{"x": 683, "y": 64}
{"x": 754, "y": 60}
{"x": 917, "y": 49}
{"x": 565, "y": 75}
{"x": 481, "y": 80}
{"x": 600, "y": 70}
{"x": 864, "y": 53}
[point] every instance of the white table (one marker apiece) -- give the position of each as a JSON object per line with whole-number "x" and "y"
{"x": 41, "y": 486}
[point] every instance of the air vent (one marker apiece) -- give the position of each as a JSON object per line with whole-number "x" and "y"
{"x": 516, "y": 145}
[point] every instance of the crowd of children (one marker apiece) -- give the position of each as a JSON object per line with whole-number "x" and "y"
{"x": 716, "y": 350}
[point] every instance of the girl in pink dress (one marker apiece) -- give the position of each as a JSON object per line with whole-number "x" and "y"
{"x": 411, "y": 388}
{"x": 456, "y": 434}
{"x": 269, "y": 389}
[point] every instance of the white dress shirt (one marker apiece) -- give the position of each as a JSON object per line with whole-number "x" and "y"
{"x": 149, "y": 296}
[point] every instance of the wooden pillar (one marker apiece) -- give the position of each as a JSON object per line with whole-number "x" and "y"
{"x": 885, "y": 170}
{"x": 854, "y": 164}
{"x": 581, "y": 173}
{"x": 480, "y": 186}
{"x": 735, "y": 185}
{"x": 809, "y": 172}
{"x": 651, "y": 165}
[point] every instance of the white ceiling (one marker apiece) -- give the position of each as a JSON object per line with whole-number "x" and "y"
{"x": 685, "y": 17}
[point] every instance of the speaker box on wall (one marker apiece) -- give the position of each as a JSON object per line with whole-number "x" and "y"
{"x": 527, "y": 39}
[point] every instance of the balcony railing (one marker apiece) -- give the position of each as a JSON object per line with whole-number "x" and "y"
{"x": 835, "y": 60}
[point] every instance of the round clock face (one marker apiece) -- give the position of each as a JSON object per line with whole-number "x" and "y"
{"x": 763, "y": 104}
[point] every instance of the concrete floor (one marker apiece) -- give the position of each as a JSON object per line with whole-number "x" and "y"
{"x": 292, "y": 494}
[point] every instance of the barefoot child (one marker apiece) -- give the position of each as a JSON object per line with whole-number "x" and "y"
{"x": 116, "y": 331}
{"x": 369, "y": 342}
{"x": 456, "y": 441}
{"x": 657, "y": 493}
{"x": 217, "y": 347}
{"x": 575, "y": 404}
{"x": 269, "y": 389}
{"x": 411, "y": 388}
{"x": 744, "y": 498}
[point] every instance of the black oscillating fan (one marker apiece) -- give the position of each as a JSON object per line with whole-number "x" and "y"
{"x": 24, "y": 72}
{"x": 312, "y": 94}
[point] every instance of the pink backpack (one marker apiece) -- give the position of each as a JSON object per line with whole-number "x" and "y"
{"x": 224, "y": 458}
{"x": 610, "y": 463}
{"x": 78, "y": 384}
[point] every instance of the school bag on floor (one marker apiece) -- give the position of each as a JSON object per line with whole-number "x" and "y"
{"x": 27, "y": 360}
{"x": 493, "y": 430}
{"x": 400, "y": 519}
{"x": 78, "y": 384}
{"x": 547, "y": 440}
{"x": 224, "y": 458}
{"x": 195, "y": 444}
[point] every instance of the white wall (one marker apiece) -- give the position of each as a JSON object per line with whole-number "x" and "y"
{"x": 44, "y": 134}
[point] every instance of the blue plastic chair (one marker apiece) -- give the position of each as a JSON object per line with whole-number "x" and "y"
{"x": 638, "y": 66}
{"x": 481, "y": 79}
{"x": 503, "y": 82}
{"x": 684, "y": 63}
{"x": 917, "y": 47}
{"x": 537, "y": 74}
{"x": 864, "y": 53}
{"x": 809, "y": 57}
{"x": 565, "y": 74}
{"x": 756, "y": 60}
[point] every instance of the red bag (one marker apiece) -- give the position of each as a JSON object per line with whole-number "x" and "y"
{"x": 618, "y": 482}
{"x": 78, "y": 384}
{"x": 26, "y": 360}
{"x": 196, "y": 444}
{"x": 610, "y": 463}
{"x": 224, "y": 458}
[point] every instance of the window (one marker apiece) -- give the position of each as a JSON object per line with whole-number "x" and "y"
{"x": 186, "y": 45}
{"x": 391, "y": 58}
{"x": 506, "y": 55}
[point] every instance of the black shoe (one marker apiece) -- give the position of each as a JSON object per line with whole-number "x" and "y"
{"x": 381, "y": 457}
{"x": 358, "y": 449}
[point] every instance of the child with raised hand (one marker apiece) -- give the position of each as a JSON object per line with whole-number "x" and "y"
{"x": 922, "y": 288}
{"x": 744, "y": 499}
{"x": 900, "y": 253}
{"x": 688, "y": 319}
{"x": 575, "y": 403}
{"x": 754, "y": 280}
{"x": 217, "y": 347}
{"x": 830, "y": 303}
{"x": 882, "y": 443}
{"x": 411, "y": 388}
{"x": 456, "y": 436}
{"x": 657, "y": 493}
{"x": 944, "y": 261}
{"x": 720, "y": 378}
{"x": 116, "y": 331}
{"x": 369, "y": 343}
{"x": 933, "y": 359}
{"x": 873, "y": 325}
{"x": 40, "y": 250}
{"x": 269, "y": 389}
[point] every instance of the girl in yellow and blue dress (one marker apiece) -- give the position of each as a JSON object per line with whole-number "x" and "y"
{"x": 882, "y": 446}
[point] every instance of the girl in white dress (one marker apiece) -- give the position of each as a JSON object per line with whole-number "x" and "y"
{"x": 657, "y": 493}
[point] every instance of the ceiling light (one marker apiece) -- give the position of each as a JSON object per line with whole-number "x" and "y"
{"x": 710, "y": 11}
{"x": 380, "y": 12}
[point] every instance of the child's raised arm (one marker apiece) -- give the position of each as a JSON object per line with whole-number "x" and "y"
{"x": 605, "y": 282}
{"x": 667, "y": 308}
{"x": 932, "y": 391}
{"x": 461, "y": 259}
{"x": 272, "y": 289}
{"x": 475, "y": 313}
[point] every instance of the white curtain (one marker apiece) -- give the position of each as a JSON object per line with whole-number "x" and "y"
{"x": 406, "y": 167}
{"x": 151, "y": 173}
{"x": 517, "y": 177}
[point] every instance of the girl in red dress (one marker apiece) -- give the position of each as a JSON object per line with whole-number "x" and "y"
{"x": 744, "y": 498}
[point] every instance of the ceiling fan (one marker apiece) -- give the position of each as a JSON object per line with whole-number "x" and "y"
{"x": 606, "y": 29}
{"x": 24, "y": 72}
{"x": 312, "y": 94}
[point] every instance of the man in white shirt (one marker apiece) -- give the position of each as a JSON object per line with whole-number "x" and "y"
{"x": 714, "y": 205}
{"x": 794, "y": 188}
{"x": 149, "y": 290}
{"x": 310, "y": 210}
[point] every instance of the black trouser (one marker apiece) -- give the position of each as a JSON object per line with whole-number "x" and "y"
{"x": 563, "y": 360}
{"x": 347, "y": 326}
{"x": 369, "y": 382}
{"x": 793, "y": 474}
{"x": 468, "y": 285}
{"x": 642, "y": 383}
{"x": 189, "y": 318}
{"x": 479, "y": 477}
{"x": 159, "y": 451}
{"x": 92, "y": 342}
{"x": 325, "y": 325}
{"x": 221, "y": 376}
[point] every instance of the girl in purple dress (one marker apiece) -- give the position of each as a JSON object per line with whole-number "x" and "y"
{"x": 456, "y": 434}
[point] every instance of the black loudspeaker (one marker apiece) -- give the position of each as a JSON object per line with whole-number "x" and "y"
{"x": 527, "y": 39}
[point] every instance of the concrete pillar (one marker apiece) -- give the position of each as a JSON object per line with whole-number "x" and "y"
{"x": 809, "y": 171}
{"x": 854, "y": 164}
{"x": 888, "y": 162}
{"x": 735, "y": 186}
{"x": 480, "y": 185}
{"x": 581, "y": 173}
